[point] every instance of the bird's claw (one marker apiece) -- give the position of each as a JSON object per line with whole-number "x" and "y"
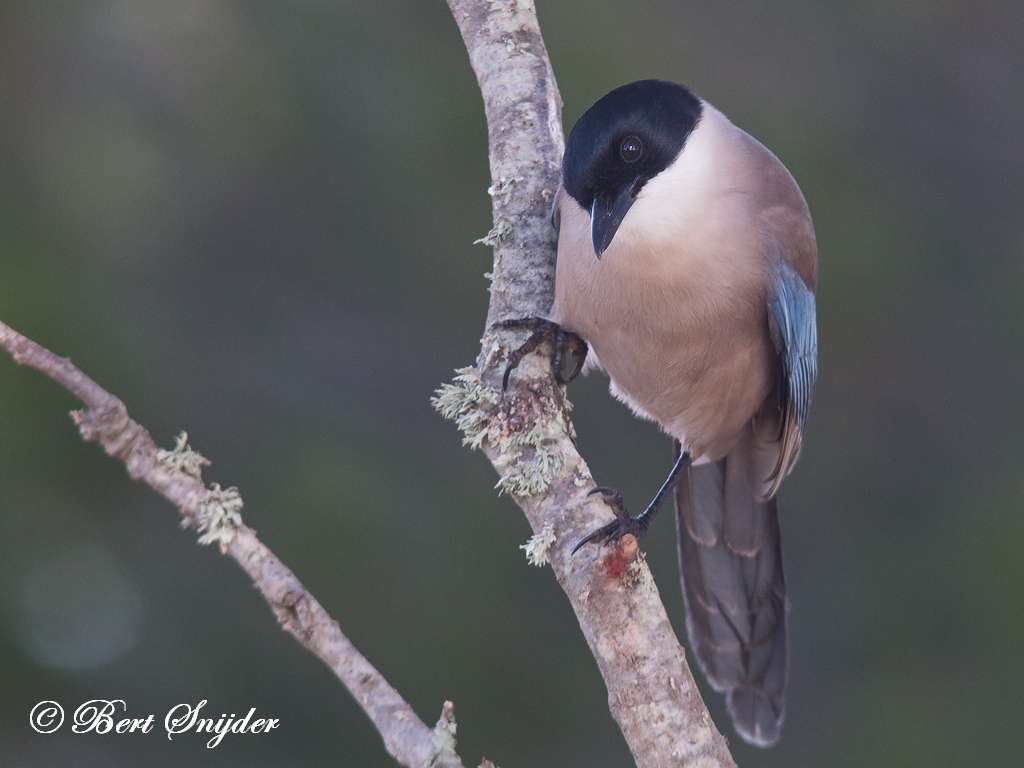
{"x": 562, "y": 341}
{"x": 620, "y": 526}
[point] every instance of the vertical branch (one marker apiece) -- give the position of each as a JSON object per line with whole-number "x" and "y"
{"x": 524, "y": 130}
{"x": 526, "y": 432}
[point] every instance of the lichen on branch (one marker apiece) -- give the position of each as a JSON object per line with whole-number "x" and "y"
{"x": 514, "y": 426}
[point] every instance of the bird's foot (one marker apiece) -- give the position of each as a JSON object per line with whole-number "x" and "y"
{"x": 563, "y": 343}
{"x": 621, "y": 525}
{"x": 639, "y": 525}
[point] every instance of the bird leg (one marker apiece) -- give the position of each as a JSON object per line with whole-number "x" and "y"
{"x": 562, "y": 342}
{"x": 623, "y": 523}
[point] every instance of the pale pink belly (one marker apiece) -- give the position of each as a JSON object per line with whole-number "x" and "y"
{"x": 702, "y": 381}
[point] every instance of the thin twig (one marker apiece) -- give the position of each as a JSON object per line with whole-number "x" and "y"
{"x": 526, "y": 432}
{"x": 175, "y": 475}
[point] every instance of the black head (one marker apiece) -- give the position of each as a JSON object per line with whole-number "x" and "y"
{"x": 627, "y": 138}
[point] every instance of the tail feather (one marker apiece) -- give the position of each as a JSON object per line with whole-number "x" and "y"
{"x": 730, "y": 558}
{"x": 744, "y": 513}
{"x": 704, "y": 491}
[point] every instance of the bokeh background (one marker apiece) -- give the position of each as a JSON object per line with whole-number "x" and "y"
{"x": 253, "y": 219}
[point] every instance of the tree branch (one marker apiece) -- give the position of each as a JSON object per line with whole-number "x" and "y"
{"x": 215, "y": 513}
{"x": 526, "y": 432}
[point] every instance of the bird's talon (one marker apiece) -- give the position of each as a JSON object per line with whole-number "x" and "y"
{"x": 562, "y": 341}
{"x": 621, "y": 525}
{"x": 600, "y": 535}
{"x": 615, "y": 530}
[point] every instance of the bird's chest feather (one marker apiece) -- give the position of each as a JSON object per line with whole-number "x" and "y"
{"x": 676, "y": 315}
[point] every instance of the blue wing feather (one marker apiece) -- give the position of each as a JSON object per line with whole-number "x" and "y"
{"x": 795, "y": 333}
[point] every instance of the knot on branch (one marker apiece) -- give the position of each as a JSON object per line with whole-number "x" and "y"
{"x": 296, "y": 612}
{"x": 443, "y": 739}
{"x": 109, "y": 425}
{"x": 626, "y": 563}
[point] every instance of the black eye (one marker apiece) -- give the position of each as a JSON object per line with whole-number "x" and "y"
{"x": 631, "y": 148}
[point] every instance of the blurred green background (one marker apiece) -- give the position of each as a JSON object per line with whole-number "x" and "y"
{"x": 253, "y": 219}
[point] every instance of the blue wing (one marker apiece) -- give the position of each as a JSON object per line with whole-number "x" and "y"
{"x": 795, "y": 333}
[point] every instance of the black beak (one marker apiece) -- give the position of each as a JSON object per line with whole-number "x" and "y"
{"x": 606, "y": 214}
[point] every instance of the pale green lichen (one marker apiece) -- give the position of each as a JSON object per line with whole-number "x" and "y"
{"x": 499, "y": 233}
{"x": 463, "y": 402}
{"x": 549, "y": 462}
{"x": 497, "y": 284}
{"x": 535, "y": 475}
{"x": 526, "y": 463}
{"x": 505, "y": 186}
{"x": 183, "y": 459}
{"x": 539, "y": 545}
{"x": 219, "y": 515}
{"x": 529, "y": 478}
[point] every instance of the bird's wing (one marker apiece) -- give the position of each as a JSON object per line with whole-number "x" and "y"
{"x": 791, "y": 318}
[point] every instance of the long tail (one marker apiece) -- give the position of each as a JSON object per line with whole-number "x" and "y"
{"x": 730, "y": 559}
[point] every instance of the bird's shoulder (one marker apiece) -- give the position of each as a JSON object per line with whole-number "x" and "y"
{"x": 782, "y": 210}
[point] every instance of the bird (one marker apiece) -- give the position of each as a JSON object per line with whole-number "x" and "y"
{"x": 687, "y": 270}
